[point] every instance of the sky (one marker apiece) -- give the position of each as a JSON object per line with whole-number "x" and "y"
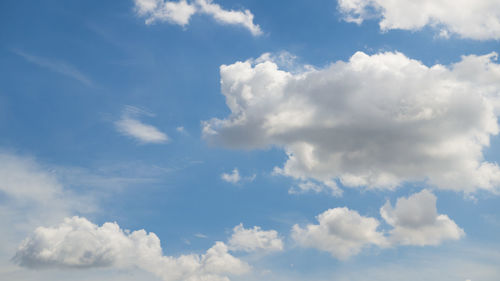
{"x": 226, "y": 140}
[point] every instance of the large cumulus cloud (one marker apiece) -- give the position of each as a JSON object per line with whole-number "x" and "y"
{"x": 374, "y": 120}
{"x": 78, "y": 243}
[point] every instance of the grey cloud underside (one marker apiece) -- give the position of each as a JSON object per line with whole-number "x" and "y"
{"x": 375, "y": 120}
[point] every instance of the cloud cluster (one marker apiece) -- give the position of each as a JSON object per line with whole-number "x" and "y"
{"x": 376, "y": 120}
{"x": 479, "y": 19}
{"x": 78, "y": 243}
{"x": 254, "y": 239}
{"x": 180, "y": 13}
{"x": 343, "y": 232}
{"x": 130, "y": 126}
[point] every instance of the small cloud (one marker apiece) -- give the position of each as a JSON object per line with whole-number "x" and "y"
{"x": 234, "y": 177}
{"x": 180, "y": 13}
{"x": 254, "y": 239}
{"x": 181, "y": 130}
{"x": 130, "y": 126}
{"x": 317, "y": 187}
{"x": 201, "y": 236}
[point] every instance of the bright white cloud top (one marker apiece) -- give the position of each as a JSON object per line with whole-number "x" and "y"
{"x": 180, "y": 13}
{"x": 344, "y": 232}
{"x": 478, "y": 19}
{"x": 376, "y": 120}
{"x": 130, "y": 126}
{"x": 78, "y": 243}
{"x": 255, "y": 239}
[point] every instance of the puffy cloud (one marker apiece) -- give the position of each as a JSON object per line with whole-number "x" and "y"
{"x": 341, "y": 232}
{"x": 478, "y": 19}
{"x": 233, "y": 177}
{"x": 415, "y": 221}
{"x": 344, "y": 232}
{"x": 144, "y": 133}
{"x": 180, "y": 13}
{"x": 375, "y": 120}
{"x": 158, "y": 10}
{"x": 78, "y": 243}
{"x": 244, "y": 18}
{"x": 254, "y": 239}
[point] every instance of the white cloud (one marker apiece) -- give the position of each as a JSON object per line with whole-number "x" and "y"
{"x": 244, "y": 18}
{"x": 254, "y": 239}
{"x": 78, "y": 243}
{"x": 344, "y": 232}
{"x": 479, "y": 19}
{"x": 181, "y": 130}
{"x": 31, "y": 194}
{"x": 158, "y": 10}
{"x": 130, "y": 126}
{"x": 233, "y": 177}
{"x": 341, "y": 232}
{"x": 180, "y": 13}
{"x": 375, "y": 120}
{"x": 415, "y": 221}
{"x": 307, "y": 186}
{"x": 56, "y": 66}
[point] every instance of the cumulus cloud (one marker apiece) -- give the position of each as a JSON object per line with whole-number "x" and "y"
{"x": 376, "y": 120}
{"x": 478, "y": 19}
{"x": 130, "y": 126}
{"x": 180, "y": 13}
{"x": 78, "y": 243}
{"x": 343, "y": 232}
{"x": 415, "y": 221}
{"x": 254, "y": 239}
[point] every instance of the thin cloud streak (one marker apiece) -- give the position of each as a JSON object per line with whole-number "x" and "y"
{"x": 56, "y": 66}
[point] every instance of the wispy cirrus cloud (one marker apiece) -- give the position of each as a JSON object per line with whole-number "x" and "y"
{"x": 130, "y": 126}
{"x": 55, "y": 65}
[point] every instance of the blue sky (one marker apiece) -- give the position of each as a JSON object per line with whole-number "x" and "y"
{"x": 353, "y": 140}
